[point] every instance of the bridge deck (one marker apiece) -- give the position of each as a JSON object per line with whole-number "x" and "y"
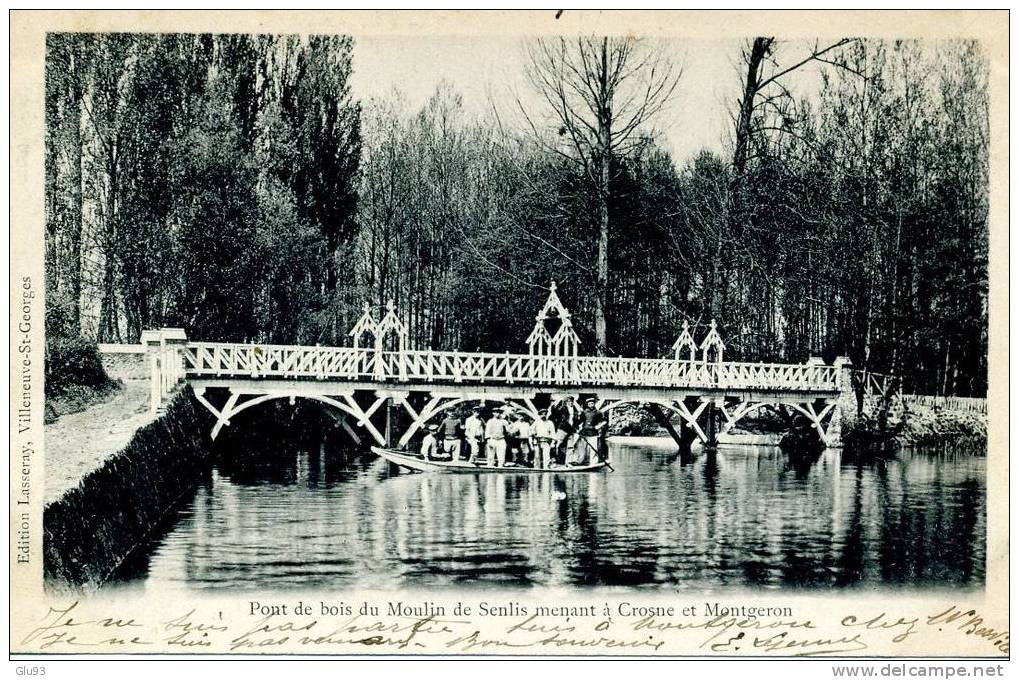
{"x": 259, "y": 362}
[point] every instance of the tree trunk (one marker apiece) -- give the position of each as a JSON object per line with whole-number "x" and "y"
{"x": 75, "y": 223}
{"x": 605, "y": 138}
{"x": 760, "y": 49}
{"x": 109, "y": 328}
{"x": 51, "y": 198}
{"x": 602, "y": 285}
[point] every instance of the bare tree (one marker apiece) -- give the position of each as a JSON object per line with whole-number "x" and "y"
{"x": 764, "y": 95}
{"x": 766, "y": 118}
{"x": 601, "y": 94}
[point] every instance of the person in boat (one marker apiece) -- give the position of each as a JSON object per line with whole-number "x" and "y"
{"x": 512, "y": 443}
{"x": 451, "y": 430}
{"x": 495, "y": 439}
{"x": 474, "y": 434}
{"x": 430, "y": 443}
{"x": 524, "y": 435}
{"x": 592, "y": 429}
{"x": 563, "y": 414}
{"x": 545, "y": 438}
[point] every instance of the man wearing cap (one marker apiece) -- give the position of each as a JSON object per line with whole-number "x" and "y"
{"x": 495, "y": 439}
{"x": 592, "y": 427}
{"x": 430, "y": 445}
{"x": 544, "y": 434}
{"x": 565, "y": 418}
{"x": 474, "y": 432}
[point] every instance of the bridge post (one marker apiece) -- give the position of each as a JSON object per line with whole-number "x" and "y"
{"x": 845, "y": 404}
{"x": 683, "y": 437}
{"x": 390, "y": 436}
{"x": 173, "y": 340}
{"x": 711, "y": 445}
{"x": 153, "y": 347}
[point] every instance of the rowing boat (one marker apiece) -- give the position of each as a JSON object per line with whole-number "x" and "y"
{"x": 462, "y": 467}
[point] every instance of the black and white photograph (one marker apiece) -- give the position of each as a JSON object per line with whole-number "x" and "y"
{"x": 497, "y": 315}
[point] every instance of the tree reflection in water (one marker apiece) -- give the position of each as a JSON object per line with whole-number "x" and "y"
{"x": 746, "y": 516}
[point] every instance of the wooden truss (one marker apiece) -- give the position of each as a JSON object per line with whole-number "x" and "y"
{"x": 731, "y": 413}
{"x": 712, "y": 343}
{"x": 565, "y": 341}
{"x": 676, "y": 406}
{"x": 685, "y": 340}
{"x": 365, "y": 324}
{"x": 239, "y": 399}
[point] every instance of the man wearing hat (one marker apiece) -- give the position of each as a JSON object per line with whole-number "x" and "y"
{"x": 564, "y": 416}
{"x": 474, "y": 433}
{"x": 495, "y": 438}
{"x": 545, "y": 435}
{"x": 430, "y": 445}
{"x": 592, "y": 427}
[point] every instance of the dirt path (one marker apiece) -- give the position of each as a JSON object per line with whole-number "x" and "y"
{"x": 78, "y": 443}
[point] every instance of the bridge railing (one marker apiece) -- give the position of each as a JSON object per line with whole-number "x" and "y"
{"x": 276, "y": 361}
{"x": 967, "y": 404}
{"x": 345, "y": 363}
{"x": 876, "y": 384}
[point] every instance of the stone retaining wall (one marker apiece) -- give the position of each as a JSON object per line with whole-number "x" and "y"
{"x": 90, "y": 530}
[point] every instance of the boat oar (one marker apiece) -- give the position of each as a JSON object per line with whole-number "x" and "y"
{"x": 595, "y": 452}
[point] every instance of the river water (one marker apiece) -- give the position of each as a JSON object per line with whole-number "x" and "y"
{"x": 746, "y": 517}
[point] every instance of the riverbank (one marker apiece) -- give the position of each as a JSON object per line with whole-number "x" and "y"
{"x": 932, "y": 425}
{"x": 92, "y": 522}
{"x": 919, "y": 424}
{"x": 79, "y": 398}
{"x": 78, "y": 377}
{"x": 78, "y": 443}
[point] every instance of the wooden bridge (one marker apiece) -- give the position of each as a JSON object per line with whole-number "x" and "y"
{"x": 388, "y": 392}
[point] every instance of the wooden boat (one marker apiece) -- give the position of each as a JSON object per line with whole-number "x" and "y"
{"x": 419, "y": 464}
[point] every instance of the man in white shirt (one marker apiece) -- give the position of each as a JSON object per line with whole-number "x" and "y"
{"x": 474, "y": 433}
{"x": 524, "y": 434}
{"x": 545, "y": 435}
{"x": 495, "y": 439}
{"x": 430, "y": 445}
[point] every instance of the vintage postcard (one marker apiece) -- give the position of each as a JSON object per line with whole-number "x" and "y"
{"x": 546, "y": 333}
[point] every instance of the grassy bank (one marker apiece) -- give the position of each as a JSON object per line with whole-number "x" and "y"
{"x": 75, "y": 377}
{"x": 918, "y": 426}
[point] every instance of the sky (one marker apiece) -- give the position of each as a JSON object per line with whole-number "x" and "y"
{"x": 487, "y": 70}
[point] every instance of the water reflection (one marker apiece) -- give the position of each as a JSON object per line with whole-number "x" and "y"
{"x": 748, "y": 516}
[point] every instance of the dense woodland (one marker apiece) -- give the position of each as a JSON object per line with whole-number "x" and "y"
{"x": 233, "y": 186}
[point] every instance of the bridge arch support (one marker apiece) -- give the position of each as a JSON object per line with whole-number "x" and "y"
{"x": 675, "y": 406}
{"x": 821, "y": 419}
{"x": 238, "y": 401}
{"x": 817, "y": 419}
{"x": 430, "y": 402}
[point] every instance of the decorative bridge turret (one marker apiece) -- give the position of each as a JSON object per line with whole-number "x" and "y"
{"x": 368, "y": 388}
